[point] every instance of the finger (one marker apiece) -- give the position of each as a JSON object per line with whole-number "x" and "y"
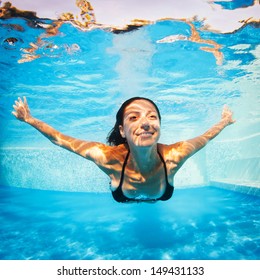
{"x": 17, "y": 103}
{"x": 21, "y": 102}
{"x": 15, "y": 107}
{"x": 25, "y": 103}
{"x": 225, "y": 107}
{"x": 14, "y": 113}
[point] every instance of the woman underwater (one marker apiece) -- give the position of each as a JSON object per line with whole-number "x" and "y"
{"x": 140, "y": 168}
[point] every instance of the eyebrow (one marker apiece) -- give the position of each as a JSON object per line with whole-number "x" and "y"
{"x": 138, "y": 112}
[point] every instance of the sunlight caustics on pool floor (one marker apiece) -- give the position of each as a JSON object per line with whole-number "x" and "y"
{"x": 201, "y": 223}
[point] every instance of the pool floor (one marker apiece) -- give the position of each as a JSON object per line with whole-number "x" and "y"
{"x": 196, "y": 224}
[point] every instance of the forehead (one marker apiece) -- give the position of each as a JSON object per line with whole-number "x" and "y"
{"x": 140, "y": 105}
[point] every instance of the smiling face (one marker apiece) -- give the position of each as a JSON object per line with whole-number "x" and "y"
{"x": 141, "y": 124}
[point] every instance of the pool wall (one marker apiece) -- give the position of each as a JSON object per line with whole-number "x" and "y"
{"x": 237, "y": 171}
{"x": 58, "y": 169}
{"x": 233, "y": 158}
{"x": 241, "y": 167}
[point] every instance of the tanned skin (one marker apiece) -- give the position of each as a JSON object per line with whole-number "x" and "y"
{"x": 144, "y": 172}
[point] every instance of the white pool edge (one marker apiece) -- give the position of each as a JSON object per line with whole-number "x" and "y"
{"x": 251, "y": 189}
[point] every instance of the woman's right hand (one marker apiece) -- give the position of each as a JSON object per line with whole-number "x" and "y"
{"x": 21, "y": 110}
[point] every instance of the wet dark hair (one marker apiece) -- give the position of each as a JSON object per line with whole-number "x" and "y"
{"x": 114, "y": 137}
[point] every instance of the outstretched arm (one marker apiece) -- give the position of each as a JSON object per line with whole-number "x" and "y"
{"x": 22, "y": 113}
{"x": 190, "y": 147}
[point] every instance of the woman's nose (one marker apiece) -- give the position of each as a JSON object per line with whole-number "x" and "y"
{"x": 145, "y": 124}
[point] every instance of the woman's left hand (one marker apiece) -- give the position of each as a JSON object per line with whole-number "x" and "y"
{"x": 227, "y": 115}
{"x": 21, "y": 110}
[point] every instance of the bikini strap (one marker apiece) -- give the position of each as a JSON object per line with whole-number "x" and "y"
{"x": 169, "y": 188}
{"x": 125, "y": 162}
{"x": 120, "y": 197}
{"x": 123, "y": 170}
{"x": 164, "y": 165}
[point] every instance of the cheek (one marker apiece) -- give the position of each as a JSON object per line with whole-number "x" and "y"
{"x": 157, "y": 126}
{"x": 158, "y": 129}
{"x": 128, "y": 130}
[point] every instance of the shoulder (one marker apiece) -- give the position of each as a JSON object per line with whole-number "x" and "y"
{"x": 172, "y": 152}
{"x": 103, "y": 154}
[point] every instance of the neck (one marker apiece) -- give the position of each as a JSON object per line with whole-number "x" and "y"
{"x": 144, "y": 159}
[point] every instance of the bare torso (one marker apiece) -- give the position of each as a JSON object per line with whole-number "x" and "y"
{"x": 150, "y": 182}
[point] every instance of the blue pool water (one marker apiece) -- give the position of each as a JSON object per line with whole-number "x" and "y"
{"x": 75, "y": 80}
{"x": 197, "y": 224}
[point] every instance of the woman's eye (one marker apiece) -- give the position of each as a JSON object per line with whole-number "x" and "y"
{"x": 133, "y": 118}
{"x": 153, "y": 117}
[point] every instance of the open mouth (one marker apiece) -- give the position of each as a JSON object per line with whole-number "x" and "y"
{"x": 146, "y": 133}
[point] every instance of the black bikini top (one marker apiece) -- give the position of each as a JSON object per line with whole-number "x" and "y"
{"x": 119, "y": 196}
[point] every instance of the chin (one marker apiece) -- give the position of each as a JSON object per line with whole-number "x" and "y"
{"x": 146, "y": 143}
